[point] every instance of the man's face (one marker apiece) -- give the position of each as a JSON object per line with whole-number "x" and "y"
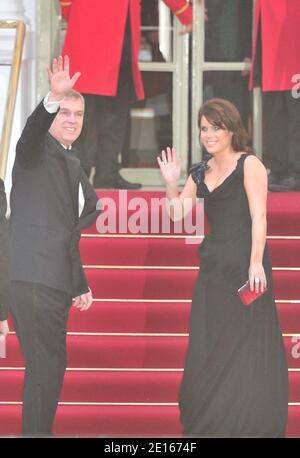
{"x": 67, "y": 124}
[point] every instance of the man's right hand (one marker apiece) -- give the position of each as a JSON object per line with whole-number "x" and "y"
{"x": 60, "y": 80}
{"x": 84, "y": 301}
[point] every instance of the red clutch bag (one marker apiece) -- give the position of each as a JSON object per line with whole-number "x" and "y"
{"x": 247, "y": 296}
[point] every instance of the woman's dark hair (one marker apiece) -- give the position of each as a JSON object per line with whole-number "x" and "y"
{"x": 223, "y": 114}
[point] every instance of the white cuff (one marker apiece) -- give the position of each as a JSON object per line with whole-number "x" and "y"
{"x": 51, "y": 107}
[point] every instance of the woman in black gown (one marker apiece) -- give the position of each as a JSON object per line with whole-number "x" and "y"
{"x": 235, "y": 381}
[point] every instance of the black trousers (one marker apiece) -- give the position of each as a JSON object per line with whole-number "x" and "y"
{"x": 282, "y": 130}
{"x": 104, "y": 133}
{"x": 40, "y": 317}
{"x": 106, "y": 121}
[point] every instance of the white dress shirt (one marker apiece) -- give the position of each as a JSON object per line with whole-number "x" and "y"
{"x": 52, "y": 107}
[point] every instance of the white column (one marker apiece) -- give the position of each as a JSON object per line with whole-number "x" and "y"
{"x": 12, "y": 9}
{"x": 15, "y": 9}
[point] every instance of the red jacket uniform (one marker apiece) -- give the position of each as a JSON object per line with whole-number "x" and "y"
{"x": 280, "y": 25}
{"x": 94, "y": 40}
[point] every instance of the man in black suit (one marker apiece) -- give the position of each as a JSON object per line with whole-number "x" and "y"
{"x": 4, "y": 266}
{"x": 45, "y": 228}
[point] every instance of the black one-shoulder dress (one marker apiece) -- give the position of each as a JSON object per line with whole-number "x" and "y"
{"x": 235, "y": 381}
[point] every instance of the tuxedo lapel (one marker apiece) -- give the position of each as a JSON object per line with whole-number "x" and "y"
{"x": 72, "y": 173}
{"x": 73, "y": 176}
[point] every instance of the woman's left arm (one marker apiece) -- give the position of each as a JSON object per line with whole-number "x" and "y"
{"x": 256, "y": 187}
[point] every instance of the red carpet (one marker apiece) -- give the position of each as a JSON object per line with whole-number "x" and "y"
{"x": 283, "y": 210}
{"x": 116, "y": 421}
{"x": 130, "y": 351}
{"x": 104, "y": 386}
{"x": 285, "y": 253}
{"x": 121, "y": 381}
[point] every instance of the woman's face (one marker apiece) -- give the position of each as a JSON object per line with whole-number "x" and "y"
{"x": 213, "y": 138}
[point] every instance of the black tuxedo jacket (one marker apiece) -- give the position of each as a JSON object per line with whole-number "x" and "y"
{"x": 4, "y": 259}
{"x": 45, "y": 224}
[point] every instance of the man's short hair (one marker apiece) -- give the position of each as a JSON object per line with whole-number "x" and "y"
{"x": 74, "y": 95}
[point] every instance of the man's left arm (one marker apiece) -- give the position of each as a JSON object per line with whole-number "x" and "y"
{"x": 91, "y": 210}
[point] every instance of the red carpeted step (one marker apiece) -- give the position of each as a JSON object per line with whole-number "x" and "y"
{"x": 165, "y": 317}
{"x": 131, "y": 352}
{"x": 103, "y": 386}
{"x": 155, "y": 421}
{"x": 168, "y": 252}
{"x": 10, "y": 420}
{"x": 154, "y": 317}
{"x": 283, "y": 213}
{"x": 120, "y": 386}
{"x": 139, "y": 251}
{"x": 289, "y": 317}
{"x": 138, "y": 317}
{"x": 117, "y": 386}
{"x": 113, "y": 351}
{"x": 145, "y": 317}
{"x": 293, "y": 427}
{"x": 91, "y": 421}
{"x": 11, "y": 382}
{"x": 117, "y": 421}
{"x": 282, "y": 207}
{"x": 285, "y": 252}
{"x": 169, "y": 284}
{"x": 286, "y": 285}
{"x": 142, "y": 213}
{"x": 294, "y": 386}
{"x": 142, "y": 283}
